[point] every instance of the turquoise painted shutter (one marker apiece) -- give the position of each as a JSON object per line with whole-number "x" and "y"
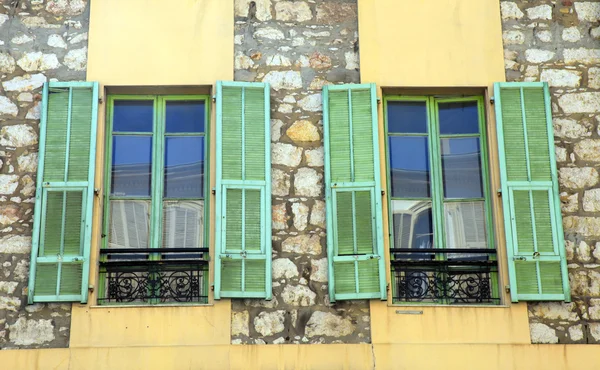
{"x": 62, "y": 225}
{"x": 353, "y": 193}
{"x": 530, "y": 198}
{"x": 243, "y": 191}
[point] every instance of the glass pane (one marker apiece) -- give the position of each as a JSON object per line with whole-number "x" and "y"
{"x": 184, "y": 167}
{"x": 465, "y": 228}
{"x": 183, "y": 225}
{"x": 133, "y": 115}
{"x": 458, "y": 118}
{"x": 461, "y": 168}
{"x": 409, "y": 167}
{"x": 185, "y": 116}
{"x": 407, "y": 117}
{"x": 131, "y": 165}
{"x": 413, "y": 228}
{"x": 129, "y": 224}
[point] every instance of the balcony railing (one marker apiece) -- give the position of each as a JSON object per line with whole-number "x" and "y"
{"x": 153, "y": 275}
{"x": 445, "y": 276}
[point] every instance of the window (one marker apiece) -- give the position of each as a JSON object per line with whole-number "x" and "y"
{"x": 156, "y": 207}
{"x": 439, "y": 211}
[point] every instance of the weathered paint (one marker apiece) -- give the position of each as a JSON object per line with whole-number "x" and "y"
{"x": 196, "y": 57}
{"x": 459, "y": 46}
{"x": 313, "y": 357}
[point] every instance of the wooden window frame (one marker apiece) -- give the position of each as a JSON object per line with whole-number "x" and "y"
{"x": 158, "y": 135}
{"x": 436, "y": 180}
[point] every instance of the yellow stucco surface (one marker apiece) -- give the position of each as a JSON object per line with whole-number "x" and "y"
{"x": 148, "y": 42}
{"x": 438, "y": 47}
{"x": 311, "y": 357}
{"x": 430, "y": 43}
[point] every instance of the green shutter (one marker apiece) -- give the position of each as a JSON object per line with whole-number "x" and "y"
{"x": 534, "y": 235}
{"x": 62, "y": 224}
{"x": 353, "y": 193}
{"x": 243, "y": 191}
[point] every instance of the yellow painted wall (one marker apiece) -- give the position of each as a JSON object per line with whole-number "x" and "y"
{"x": 430, "y": 43}
{"x": 311, "y": 357}
{"x": 448, "y": 44}
{"x": 152, "y": 43}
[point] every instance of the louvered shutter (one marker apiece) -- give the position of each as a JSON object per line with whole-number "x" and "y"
{"x": 62, "y": 224}
{"x": 243, "y": 191}
{"x": 353, "y": 193}
{"x": 530, "y": 197}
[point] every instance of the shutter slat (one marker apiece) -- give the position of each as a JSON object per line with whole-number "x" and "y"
{"x": 533, "y": 224}
{"x": 64, "y": 194}
{"x": 352, "y": 184}
{"x": 243, "y": 202}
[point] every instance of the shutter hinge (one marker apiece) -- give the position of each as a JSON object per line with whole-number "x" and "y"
{"x": 213, "y": 191}
{"x": 214, "y": 98}
{"x": 100, "y": 100}
{"x": 382, "y": 192}
{"x": 507, "y": 288}
{"x": 492, "y": 100}
{"x": 97, "y": 191}
{"x": 499, "y": 192}
{"x": 378, "y": 100}
{"x": 91, "y": 288}
{"x": 103, "y": 235}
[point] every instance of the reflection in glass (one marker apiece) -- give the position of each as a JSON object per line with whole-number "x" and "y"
{"x": 413, "y": 227}
{"x": 458, "y": 118}
{"x": 129, "y": 224}
{"x": 133, "y": 115}
{"x": 461, "y": 168}
{"x": 185, "y": 116}
{"x": 131, "y": 165}
{"x": 184, "y": 167}
{"x": 409, "y": 166}
{"x": 407, "y": 117}
{"x": 465, "y": 228}
{"x": 183, "y": 225}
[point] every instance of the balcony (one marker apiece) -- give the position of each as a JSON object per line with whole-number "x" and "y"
{"x": 153, "y": 275}
{"x": 445, "y": 276}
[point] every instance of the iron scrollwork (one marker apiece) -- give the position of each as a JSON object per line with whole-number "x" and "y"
{"x": 154, "y": 281}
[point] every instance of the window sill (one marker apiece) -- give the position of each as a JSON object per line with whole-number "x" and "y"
{"x": 435, "y": 305}
{"x": 151, "y": 305}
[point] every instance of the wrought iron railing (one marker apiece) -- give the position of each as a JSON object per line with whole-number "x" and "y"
{"x": 153, "y": 275}
{"x": 445, "y": 276}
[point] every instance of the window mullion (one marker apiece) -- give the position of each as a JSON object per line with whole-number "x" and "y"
{"x": 437, "y": 196}
{"x": 157, "y": 175}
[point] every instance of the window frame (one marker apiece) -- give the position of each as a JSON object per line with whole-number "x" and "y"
{"x": 156, "y": 197}
{"x": 436, "y": 198}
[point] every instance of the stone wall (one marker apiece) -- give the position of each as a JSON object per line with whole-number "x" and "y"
{"x": 40, "y": 40}
{"x": 298, "y": 46}
{"x": 559, "y": 42}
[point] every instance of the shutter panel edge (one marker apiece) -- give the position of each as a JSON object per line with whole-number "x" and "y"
{"x": 507, "y": 196}
{"x": 330, "y": 211}
{"x": 220, "y": 254}
{"x": 87, "y": 202}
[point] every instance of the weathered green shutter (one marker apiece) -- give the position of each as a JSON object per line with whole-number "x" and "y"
{"x": 62, "y": 226}
{"x": 243, "y": 191}
{"x": 353, "y": 193}
{"x": 530, "y": 198}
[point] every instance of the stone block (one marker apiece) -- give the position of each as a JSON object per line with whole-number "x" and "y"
{"x": 303, "y": 244}
{"x": 328, "y": 324}
{"x": 541, "y": 333}
{"x": 269, "y": 323}
{"x": 307, "y": 182}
